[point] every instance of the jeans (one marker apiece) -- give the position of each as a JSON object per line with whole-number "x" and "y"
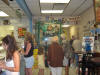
{"x": 3, "y": 73}
{"x": 76, "y": 59}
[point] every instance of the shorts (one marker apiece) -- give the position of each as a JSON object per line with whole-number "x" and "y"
{"x": 65, "y": 61}
{"x": 29, "y": 61}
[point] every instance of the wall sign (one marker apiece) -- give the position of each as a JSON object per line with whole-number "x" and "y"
{"x": 88, "y": 43}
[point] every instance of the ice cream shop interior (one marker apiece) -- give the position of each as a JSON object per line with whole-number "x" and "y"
{"x": 49, "y": 37}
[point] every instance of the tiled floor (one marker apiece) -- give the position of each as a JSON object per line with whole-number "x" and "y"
{"x": 72, "y": 71}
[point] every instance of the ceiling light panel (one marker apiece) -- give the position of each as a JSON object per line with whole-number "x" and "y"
{"x": 3, "y": 14}
{"x": 51, "y": 11}
{"x": 54, "y": 1}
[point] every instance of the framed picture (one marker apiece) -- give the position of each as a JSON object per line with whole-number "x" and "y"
{"x": 21, "y": 32}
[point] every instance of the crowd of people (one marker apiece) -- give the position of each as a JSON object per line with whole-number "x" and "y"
{"x": 58, "y": 55}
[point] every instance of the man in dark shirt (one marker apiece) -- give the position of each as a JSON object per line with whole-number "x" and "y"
{"x": 72, "y": 51}
{"x": 71, "y": 41}
{"x": 55, "y": 57}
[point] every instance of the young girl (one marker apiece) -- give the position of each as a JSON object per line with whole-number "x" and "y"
{"x": 12, "y": 63}
{"x": 41, "y": 59}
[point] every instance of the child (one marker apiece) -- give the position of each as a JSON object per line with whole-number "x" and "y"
{"x": 41, "y": 60}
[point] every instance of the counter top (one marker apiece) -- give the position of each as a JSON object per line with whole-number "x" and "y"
{"x": 83, "y": 52}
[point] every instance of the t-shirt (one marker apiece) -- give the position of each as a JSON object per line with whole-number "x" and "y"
{"x": 77, "y": 45}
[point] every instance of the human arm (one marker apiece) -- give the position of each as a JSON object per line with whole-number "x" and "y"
{"x": 16, "y": 59}
{"x": 28, "y": 47}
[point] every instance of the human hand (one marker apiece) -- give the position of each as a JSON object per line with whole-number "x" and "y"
{"x": 2, "y": 65}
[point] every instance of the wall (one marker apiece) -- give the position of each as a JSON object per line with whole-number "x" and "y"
{"x": 83, "y": 26}
{"x": 73, "y": 31}
{"x": 23, "y": 22}
{"x": 6, "y": 30}
{"x": 85, "y": 21}
{"x": 67, "y": 33}
{"x": 15, "y": 22}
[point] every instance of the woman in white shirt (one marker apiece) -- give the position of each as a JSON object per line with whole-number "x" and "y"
{"x": 12, "y": 63}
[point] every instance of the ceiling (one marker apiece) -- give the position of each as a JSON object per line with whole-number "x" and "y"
{"x": 13, "y": 4}
{"x": 74, "y": 8}
{"x": 10, "y": 8}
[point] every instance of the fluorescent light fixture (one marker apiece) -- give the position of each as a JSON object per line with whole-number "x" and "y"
{"x": 51, "y": 11}
{"x": 66, "y": 25}
{"x": 54, "y": 1}
{"x": 3, "y": 14}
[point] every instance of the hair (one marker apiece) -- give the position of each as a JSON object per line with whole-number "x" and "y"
{"x": 33, "y": 38}
{"x": 28, "y": 37}
{"x": 55, "y": 39}
{"x": 73, "y": 37}
{"x": 12, "y": 46}
{"x": 41, "y": 50}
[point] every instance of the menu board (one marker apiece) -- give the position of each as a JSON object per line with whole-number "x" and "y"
{"x": 97, "y": 10}
{"x": 21, "y": 32}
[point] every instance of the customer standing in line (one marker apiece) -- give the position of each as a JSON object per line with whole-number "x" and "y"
{"x": 67, "y": 55}
{"x": 72, "y": 52}
{"x": 55, "y": 57}
{"x": 77, "y": 45}
{"x": 28, "y": 53}
{"x": 12, "y": 60}
{"x": 41, "y": 60}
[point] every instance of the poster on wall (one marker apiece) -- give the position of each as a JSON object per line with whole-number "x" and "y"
{"x": 88, "y": 44}
{"x": 21, "y": 32}
{"x": 97, "y": 10}
{"x": 50, "y": 29}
